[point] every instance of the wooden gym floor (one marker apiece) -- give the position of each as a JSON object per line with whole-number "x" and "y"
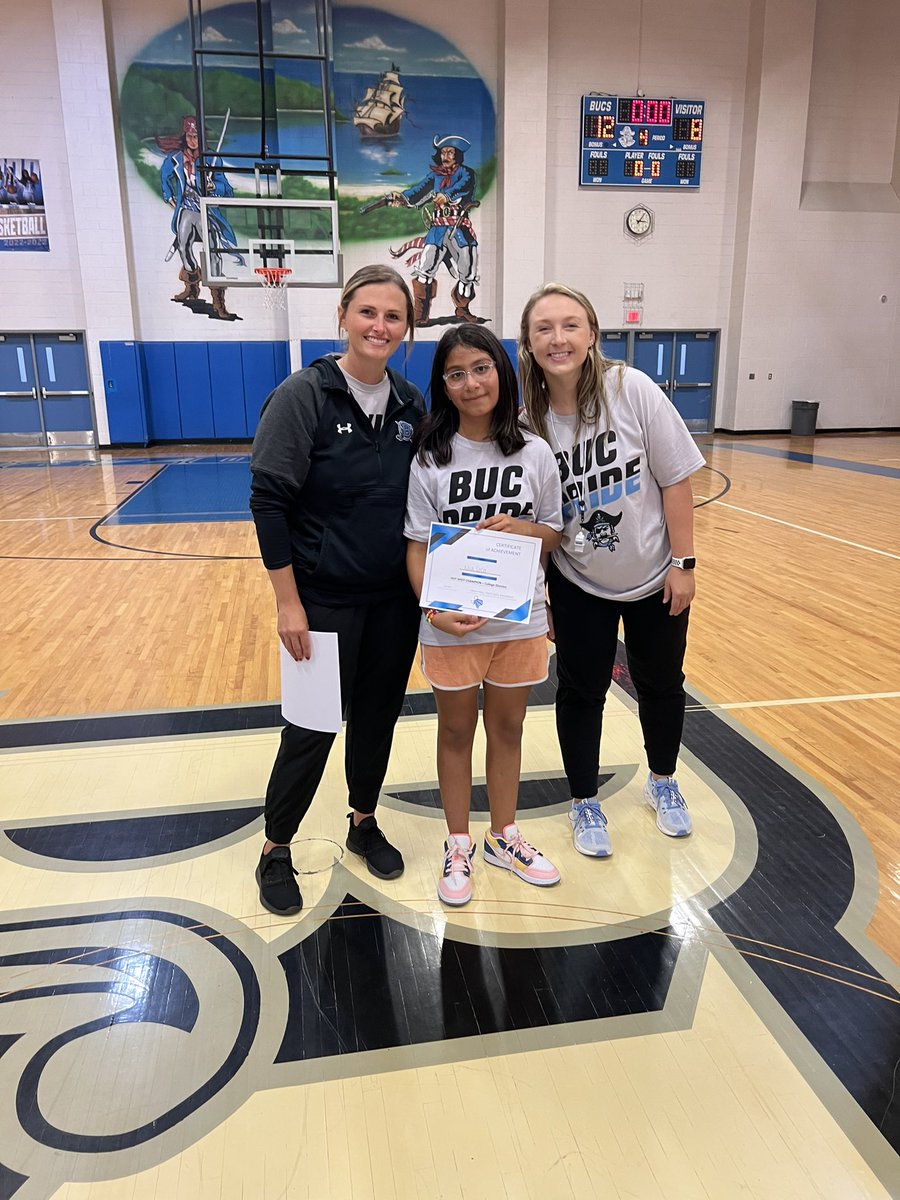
{"x": 707, "y": 1019}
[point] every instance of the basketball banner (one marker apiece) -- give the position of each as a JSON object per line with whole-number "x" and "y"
{"x": 23, "y": 221}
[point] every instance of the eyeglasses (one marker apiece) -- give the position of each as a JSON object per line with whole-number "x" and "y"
{"x": 457, "y": 379}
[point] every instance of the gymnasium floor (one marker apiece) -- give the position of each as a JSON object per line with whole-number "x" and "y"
{"x": 712, "y": 1018}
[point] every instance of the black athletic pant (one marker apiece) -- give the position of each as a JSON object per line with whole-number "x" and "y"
{"x": 376, "y": 644}
{"x": 586, "y": 629}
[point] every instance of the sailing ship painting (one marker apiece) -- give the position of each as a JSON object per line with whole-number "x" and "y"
{"x": 379, "y": 113}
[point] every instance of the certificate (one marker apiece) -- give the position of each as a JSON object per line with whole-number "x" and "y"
{"x": 481, "y": 572}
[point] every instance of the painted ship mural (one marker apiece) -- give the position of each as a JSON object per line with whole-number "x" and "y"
{"x": 379, "y": 113}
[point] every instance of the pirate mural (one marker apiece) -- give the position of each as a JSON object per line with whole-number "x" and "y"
{"x": 404, "y": 97}
{"x": 447, "y": 195}
{"x": 182, "y": 184}
{"x": 416, "y": 156}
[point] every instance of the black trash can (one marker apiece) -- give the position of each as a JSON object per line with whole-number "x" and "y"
{"x": 803, "y": 417}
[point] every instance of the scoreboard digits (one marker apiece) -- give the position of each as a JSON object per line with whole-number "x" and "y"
{"x": 688, "y": 129}
{"x": 599, "y": 127}
{"x": 636, "y": 141}
{"x": 645, "y": 112}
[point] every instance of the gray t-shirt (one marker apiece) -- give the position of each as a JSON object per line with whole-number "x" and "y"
{"x": 477, "y": 483}
{"x": 624, "y": 552}
{"x": 372, "y": 398}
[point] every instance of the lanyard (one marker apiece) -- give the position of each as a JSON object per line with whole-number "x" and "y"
{"x": 579, "y": 482}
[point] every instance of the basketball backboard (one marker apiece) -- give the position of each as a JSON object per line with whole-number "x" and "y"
{"x": 244, "y": 233}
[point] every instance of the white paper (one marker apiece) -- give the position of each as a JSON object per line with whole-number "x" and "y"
{"x": 311, "y": 689}
{"x": 480, "y": 572}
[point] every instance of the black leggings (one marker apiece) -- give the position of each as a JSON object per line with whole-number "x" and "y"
{"x": 586, "y": 629}
{"x": 376, "y": 644}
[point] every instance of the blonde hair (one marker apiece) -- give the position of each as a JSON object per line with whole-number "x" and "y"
{"x": 379, "y": 273}
{"x": 592, "y": 397}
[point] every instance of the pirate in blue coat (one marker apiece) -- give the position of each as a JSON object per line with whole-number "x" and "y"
{"x": 182, "y": 186}
{"x": 450, "y": 188}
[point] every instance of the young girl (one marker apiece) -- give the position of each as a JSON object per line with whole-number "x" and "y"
{"x": 330, "y": 471}
{"x": 474, "y": 465}
{"x": 625, "y": 459}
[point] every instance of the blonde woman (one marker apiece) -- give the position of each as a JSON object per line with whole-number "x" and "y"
{"x": 625, "y": 460}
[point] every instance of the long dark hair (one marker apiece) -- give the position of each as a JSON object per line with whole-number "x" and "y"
{"x": 433, "y": 435}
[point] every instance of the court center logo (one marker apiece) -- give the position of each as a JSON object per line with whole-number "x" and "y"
{"x": 129, "y": 1030}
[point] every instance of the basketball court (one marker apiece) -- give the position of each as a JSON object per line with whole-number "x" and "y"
{"x": 708, "y": 1017}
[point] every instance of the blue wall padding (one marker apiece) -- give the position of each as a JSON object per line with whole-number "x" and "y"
{"x": 194, "y": 390}
{"x": 123, "y": 388}
{"x": 187, "y": 391}
{"x": 161, "y": 382}
{"x": 226, "y": 375}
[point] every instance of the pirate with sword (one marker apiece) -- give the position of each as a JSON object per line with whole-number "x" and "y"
{"x": 449, "y": 188}
{"x": 183, "y": 181}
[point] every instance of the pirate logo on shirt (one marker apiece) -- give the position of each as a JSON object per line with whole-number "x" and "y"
{"x": 600, "y": 528}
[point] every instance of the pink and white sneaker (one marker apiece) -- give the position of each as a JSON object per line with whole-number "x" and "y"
{"x": 510, "y": 850}
{"x": 455, "y": 882}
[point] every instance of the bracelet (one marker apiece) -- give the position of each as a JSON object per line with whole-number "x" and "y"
{"x": 430, "y": 614}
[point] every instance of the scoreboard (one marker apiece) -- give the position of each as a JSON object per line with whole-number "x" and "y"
{"x": 633, "y": 141}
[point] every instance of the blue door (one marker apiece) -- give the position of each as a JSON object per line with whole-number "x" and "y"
{"x": 653, "y": 356}
{"x": 20, "y": 409}
{"x": 694, "y": 379}
{"x": 64, "y": 389}
{"x": 614, "y": 345}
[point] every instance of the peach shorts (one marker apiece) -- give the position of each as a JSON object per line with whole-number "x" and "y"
{"x": 518, "y": 663}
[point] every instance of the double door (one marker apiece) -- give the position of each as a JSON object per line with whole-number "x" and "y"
{"x": 684, "y": 366}
{"x": 683, "y": 363}
{"x": 45, "y": 393}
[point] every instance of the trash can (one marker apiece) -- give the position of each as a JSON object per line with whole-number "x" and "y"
{"x": 803, "y": 417}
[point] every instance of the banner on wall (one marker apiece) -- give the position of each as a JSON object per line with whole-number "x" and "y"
{"x": 23, "y": 221}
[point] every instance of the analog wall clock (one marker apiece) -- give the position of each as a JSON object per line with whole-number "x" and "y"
{"x": 639, "y": 221}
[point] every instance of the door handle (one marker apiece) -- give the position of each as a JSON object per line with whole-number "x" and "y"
{"x": 692, "y": 385}
{"x": 45, "y": 393}
{"x": 31, "y": 395}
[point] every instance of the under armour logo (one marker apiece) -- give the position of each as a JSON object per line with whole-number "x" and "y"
{"x": 348, "y": 428}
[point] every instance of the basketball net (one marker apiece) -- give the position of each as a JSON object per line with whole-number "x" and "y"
{"x": 274, "y": 285}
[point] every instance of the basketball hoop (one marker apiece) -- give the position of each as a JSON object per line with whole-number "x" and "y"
{"x": 274, "y": 285}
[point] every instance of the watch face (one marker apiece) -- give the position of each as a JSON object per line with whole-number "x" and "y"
{"x": 686, "y": 564}
{"x": 639, "y": 221}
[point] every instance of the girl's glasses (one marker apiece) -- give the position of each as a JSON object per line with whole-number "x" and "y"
{"x": 457, "y": 379}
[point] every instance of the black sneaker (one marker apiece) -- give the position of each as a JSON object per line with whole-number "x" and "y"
{"x": 367, "y": 840}
{"x": 278, "y": 891}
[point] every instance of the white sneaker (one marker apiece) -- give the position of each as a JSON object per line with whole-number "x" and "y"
{"x": 672, "y": 816}
{"x": 589, "y": 832}
{"x": 455, "y": 882}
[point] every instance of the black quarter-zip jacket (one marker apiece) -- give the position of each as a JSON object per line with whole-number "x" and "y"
{"x": 328, "y": 492}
